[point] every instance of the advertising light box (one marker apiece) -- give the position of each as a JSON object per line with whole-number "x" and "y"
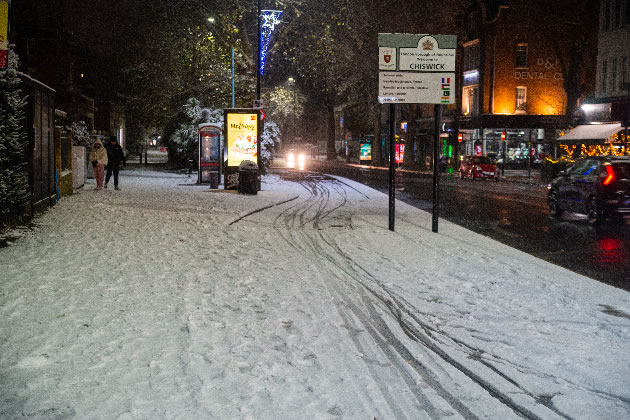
{"x": 4, "y": 34}
{"x": 242, "y": 138}
{"x": 366, "y": 151}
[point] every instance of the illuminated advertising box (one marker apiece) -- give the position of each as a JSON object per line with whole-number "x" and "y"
{"x": 242, "y": 137}
{"x": 400, "y": 153}
{"x": 242, "y": 131}
{"x": 366, "y": 151}
{"x": 4, "y": 34}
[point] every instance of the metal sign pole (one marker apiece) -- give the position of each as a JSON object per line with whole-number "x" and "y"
{"x": 392, "y": 165}
{"x": 436, "y": 169}
{"x": 233, "y": 96}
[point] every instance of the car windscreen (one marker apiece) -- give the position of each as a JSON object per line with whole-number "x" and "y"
{"x": 483, "y": 160}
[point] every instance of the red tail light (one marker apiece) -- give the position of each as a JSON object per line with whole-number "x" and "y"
{"x": 610, "y": 175}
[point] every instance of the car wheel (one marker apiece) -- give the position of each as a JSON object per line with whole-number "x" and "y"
{"x": 554, "y": 205}
{"x": 593, "y": 212}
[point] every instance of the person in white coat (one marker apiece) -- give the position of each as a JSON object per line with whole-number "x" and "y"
{"x": 98, "y": 157}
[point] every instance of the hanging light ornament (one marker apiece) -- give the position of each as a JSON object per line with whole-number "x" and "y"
{"x": 269, "y": 18}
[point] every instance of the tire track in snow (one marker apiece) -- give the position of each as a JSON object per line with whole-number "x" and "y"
{"x": 293, "y": 223}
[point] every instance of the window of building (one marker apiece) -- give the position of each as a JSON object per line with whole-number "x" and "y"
{"x": 604, "y": 75}
{"x": 625, "y": 78}
{"x": 607, "y": 15}
{"x": 617, "y": 13}
{"x": 613, "y": 76}
{"x": 470, "y": 100}
{"x": 472, "y": 56}
{"x": 627, "y": 6}
{"x": 521, "y": 55}
{"x": 521, "y": 99}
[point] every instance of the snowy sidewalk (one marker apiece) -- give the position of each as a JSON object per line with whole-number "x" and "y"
{"x": 169, "y": 300}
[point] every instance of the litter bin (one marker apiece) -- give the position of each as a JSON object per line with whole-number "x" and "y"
{"x": 248, "y": 177}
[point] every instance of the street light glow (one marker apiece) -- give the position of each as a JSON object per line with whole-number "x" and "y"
{"x": 211, "y": 19}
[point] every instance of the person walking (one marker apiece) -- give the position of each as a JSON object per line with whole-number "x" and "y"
{"x": 98, "y": 157}
{"x": 115, "y": 156}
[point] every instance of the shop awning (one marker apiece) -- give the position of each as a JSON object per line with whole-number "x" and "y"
{"x": 591, "y": 132}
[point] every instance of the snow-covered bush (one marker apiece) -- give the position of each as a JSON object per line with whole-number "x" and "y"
{"x": 80, "y": 134}
{"x": 270, "y": 141}
{"x": 184, "y": 141}
{"x": 14, "y": 189}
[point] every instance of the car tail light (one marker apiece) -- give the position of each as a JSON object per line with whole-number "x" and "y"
{"x": 610, "y": 175}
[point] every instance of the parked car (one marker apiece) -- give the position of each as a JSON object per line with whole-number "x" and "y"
{"x": 478, "y": 167}
{"x": 597, "y": 186}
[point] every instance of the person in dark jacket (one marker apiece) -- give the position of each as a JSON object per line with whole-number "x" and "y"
{"x": 115, "y": 156}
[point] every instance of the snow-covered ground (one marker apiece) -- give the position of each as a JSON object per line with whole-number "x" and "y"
{"x": 167, "y": 300}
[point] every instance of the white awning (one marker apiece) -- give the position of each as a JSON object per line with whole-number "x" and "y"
{"x": 600, "y": 132}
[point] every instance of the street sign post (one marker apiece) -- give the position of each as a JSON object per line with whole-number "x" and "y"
{"x": 416, "y": 69}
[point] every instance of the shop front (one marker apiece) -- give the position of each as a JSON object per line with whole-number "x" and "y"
{"x": 517, "y": 142}
{"x": 593, "y": 140}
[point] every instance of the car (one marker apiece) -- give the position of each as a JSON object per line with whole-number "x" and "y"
{"x": 478, "y": 167}
{"x": 296, "y": 158}
{"x": 597, "y": 186}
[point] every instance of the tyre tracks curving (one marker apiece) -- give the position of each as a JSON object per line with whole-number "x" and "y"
{"x": 367, "y": 305}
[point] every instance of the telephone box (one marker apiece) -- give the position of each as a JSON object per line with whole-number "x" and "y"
{"x": 209, "y": 155}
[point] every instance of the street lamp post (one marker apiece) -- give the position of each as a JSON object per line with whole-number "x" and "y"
{"x": 626, "y": 103}
{"x": 259, "y": 34}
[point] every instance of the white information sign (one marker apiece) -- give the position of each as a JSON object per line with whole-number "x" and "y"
{"x": 427, "y": 56}
{"x": 416, "y": 68}
{"x": 413, "y": 88}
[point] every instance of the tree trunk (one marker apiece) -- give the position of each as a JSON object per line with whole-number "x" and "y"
{"x": 409, "y": 159}
{"x": 330, "y": 145}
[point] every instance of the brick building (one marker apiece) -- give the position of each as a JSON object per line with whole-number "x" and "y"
{"x": 606, "y": 113}
{"x": 525, "y": 65}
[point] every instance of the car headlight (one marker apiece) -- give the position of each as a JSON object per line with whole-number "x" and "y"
{"x": 301, "y": 158}
{"x": 291, "y": 157}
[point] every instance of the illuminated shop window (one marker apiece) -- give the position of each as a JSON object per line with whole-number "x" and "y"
{"x": 521, "y": 100}
{"x": 470, "y": 100}
{"x": 521, "y": 55}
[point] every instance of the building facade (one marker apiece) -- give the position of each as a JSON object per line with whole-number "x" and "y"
{"x": 605, "y": 115}
{"x": 524, "y": 66}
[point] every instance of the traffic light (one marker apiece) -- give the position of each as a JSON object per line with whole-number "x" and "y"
{"x": 460, "y": 137}
{"x": 503, "y": 136}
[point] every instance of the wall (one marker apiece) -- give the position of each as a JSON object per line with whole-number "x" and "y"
{"x": 554, "y": 32}
{"x": 78, "y": 166}
{"x": 40, "y": 120}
